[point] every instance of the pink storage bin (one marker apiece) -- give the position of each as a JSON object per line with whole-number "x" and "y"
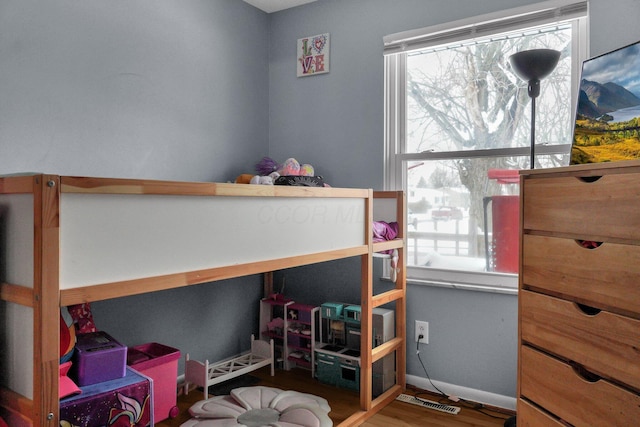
{"x": 160, "y": 363}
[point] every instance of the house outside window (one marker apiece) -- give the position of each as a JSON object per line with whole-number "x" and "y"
{"x": 458, "y": 123}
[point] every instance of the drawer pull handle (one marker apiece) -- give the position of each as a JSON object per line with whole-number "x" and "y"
{"x": 589, "y": 244}
{"x": 583, "y": 373}
{"x": 588, "y": 310}
{"x": 589, "y": 178}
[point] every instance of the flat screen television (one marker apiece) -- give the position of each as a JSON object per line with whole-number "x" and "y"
{"x": 607, "y": 124}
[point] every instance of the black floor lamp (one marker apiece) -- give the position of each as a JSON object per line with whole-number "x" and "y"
{"x": 533, "y": 66}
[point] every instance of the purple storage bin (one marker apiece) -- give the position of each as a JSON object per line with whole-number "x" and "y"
{"x": 98, "y": 358}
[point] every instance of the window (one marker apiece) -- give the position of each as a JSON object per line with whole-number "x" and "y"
{"x": 458, "y": 129}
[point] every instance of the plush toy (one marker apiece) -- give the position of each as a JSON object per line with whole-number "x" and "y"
{"x": 245, "y": 178}
{"x": 261, "y": 180}
{"x": 306, "y": 170}
{"x": 268, "y": 171}
{"x": 290, "y": 167}
{"x": 266, "y": 166}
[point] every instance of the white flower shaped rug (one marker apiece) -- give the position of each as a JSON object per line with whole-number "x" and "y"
{"x": 261, "y": 406}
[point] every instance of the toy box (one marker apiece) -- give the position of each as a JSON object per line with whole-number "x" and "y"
{"x": 110, "y": 403}
{"x": 98, "y": 357}
{"x": 160, "y": 363}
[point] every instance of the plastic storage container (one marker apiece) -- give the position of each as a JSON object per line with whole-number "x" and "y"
{"x": 98, "y": 358}
{"x": 100, "y": 404}
{"x": 160, "y": 363}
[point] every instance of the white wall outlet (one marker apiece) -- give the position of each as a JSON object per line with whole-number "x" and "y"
{"x": 422, "y": 328}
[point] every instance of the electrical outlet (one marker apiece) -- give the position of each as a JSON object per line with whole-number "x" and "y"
{"x": 422, "y": 328}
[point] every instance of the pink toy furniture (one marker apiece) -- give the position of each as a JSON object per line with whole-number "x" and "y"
{"x": 207, "y": 374}
{"x": 160, "y": 363}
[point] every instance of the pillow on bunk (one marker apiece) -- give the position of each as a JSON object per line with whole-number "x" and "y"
{"x": 300, "y": 181}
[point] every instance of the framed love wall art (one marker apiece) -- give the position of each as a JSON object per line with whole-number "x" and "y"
{"x": 313, "y": 55}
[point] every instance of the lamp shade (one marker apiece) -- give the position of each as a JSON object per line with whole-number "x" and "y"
{"x": 535, "y": 64}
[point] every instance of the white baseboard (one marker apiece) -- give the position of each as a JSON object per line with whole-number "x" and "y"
{"x": 479, "y": 396}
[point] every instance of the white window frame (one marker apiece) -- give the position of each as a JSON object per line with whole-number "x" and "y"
{"x": 396, "y": 48}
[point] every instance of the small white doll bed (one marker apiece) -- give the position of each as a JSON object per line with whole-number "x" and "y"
{"x": 205, "y": 374}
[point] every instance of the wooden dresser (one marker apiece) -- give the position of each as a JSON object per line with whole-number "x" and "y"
{"x": 579, "y": 299}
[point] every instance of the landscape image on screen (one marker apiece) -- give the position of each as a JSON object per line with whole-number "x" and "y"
{"x": 607, "y": 126}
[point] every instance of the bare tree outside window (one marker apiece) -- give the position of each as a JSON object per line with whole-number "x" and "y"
{"x": 466, "y": 108}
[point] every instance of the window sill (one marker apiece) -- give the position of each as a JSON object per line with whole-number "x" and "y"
{"x": 464, "y": 286}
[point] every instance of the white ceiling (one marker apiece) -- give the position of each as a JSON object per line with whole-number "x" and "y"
{"x": 276, "y": 5}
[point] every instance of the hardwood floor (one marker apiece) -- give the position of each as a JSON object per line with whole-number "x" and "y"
{"x": 344, "y": 402}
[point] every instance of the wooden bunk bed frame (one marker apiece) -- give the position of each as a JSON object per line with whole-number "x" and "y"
{"x": 62, "y": 238}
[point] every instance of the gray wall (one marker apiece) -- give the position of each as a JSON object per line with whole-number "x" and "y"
{"x": 202, "y": 89}
{"x": 613, "y": 24}
{"x": 210, "y": 321}
{"x": 144, "y": 89}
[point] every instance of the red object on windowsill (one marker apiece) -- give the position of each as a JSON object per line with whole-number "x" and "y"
{"x": 506, "y": 222}
{"x": 504, "y": 176}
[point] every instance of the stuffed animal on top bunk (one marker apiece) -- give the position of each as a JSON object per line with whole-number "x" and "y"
{"x": 291, "y": 172}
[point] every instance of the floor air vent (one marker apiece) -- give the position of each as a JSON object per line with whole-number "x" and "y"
{"x": 453, "y": 410}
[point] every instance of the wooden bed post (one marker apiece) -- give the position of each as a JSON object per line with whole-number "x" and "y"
{"x": 267, "y": 286}
{"x": 366, "y": 339}
{"x": 401, "y": 284}
{"x": 46, "y": 195}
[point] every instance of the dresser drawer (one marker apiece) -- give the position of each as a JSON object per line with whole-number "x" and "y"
{"x": 558, "y": 388}
{"x": 606, "y": 277}
{"x": 602, "y": 342}
{"x": 530, "y": 416}
{"x": 609, "y": 206}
